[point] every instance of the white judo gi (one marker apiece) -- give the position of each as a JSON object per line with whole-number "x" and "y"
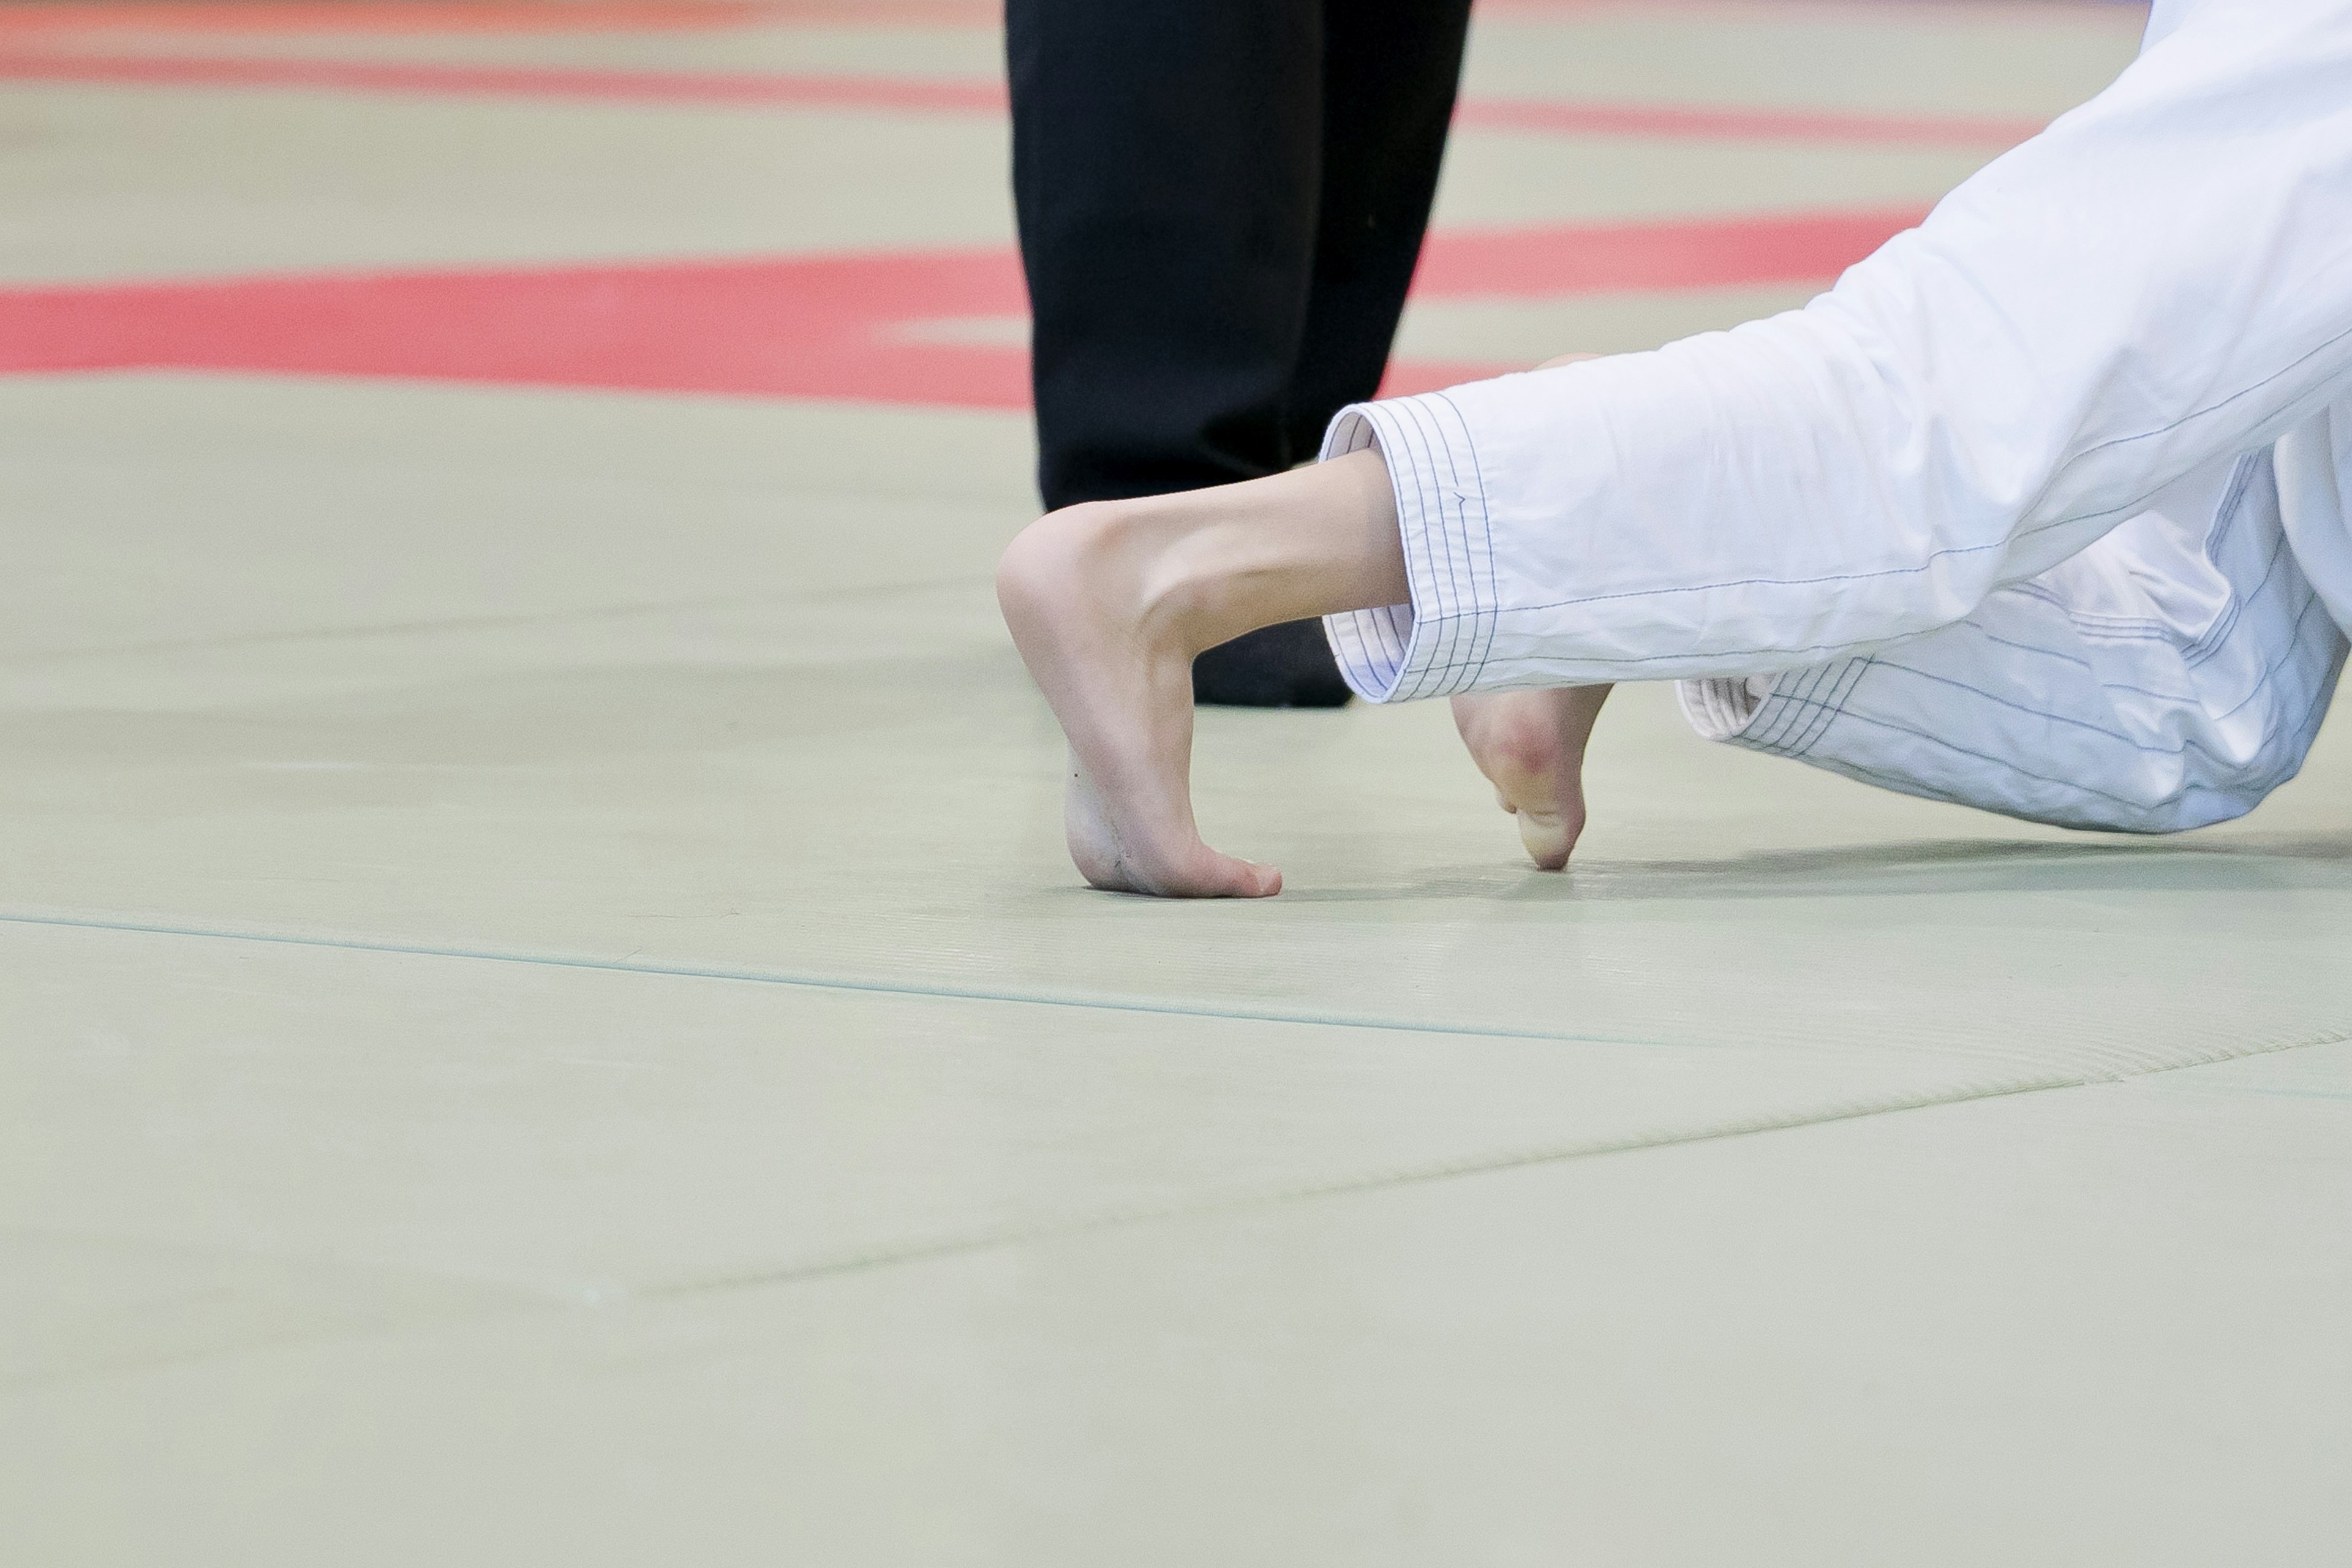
{"x": 2043, "y": 509}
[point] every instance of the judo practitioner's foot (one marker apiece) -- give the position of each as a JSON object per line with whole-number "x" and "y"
{"x": 1112, "y": 600}
{"x": 1530, "y": 746}
{"x": 1106, "y": 629}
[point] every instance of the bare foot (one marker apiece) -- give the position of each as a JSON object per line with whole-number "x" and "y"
{"x": 1111, "y": 601}
{"x": 1530, "y": 746}
{"x": 1107, "y": 643}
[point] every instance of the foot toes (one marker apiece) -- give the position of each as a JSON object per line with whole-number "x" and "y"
{"x": 1548, "y": 840}
{"x": 1530, "y": 745}
{"x": 1203, "y": 874}
{"x": 1227, "y": 876}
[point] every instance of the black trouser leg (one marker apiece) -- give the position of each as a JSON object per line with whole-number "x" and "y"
{"x": 1389, "y": 69}
{"x": 1165, "y": 156}
{"x": 1220, "y": 204}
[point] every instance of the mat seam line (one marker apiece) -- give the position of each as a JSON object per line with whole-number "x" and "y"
{"x": 751, "y": 976}
{"x": 1426, "y": 1176}
{"x": 921, "y": 1251}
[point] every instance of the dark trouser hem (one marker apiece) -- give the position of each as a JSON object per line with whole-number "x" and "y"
{"x": 1286, "y": 665}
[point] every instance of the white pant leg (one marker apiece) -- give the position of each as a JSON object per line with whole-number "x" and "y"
{"x": 2170, "y": 676}
{"x": 2161, "y": 281}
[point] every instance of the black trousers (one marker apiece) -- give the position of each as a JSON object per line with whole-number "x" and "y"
{"x": 1221, "y": 203}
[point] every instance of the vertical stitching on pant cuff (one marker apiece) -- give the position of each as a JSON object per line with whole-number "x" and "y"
{"x": 1437, "y": 644}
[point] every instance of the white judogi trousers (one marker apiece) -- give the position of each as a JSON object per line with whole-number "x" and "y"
{"x": 2041, "y": 508}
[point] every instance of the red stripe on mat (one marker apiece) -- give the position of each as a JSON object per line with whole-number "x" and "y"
{"x": 427, "y": 79}
{"x": 903, "y": 94}
{"x": 1745, "y": 124}
{"x": 832, "y": 327}
{"x": 380, "y": 18}
{"x": 1701, "y": 253}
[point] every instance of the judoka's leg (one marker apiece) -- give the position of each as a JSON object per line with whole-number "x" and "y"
{"x": 2160, "y": 279}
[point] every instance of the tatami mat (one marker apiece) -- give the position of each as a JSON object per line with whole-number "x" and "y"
{"x": 544, "y": 1014}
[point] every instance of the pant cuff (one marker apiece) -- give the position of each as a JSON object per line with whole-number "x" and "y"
{"x": 1785, "y": 715}
{"x": 1437, "y": 644}
{"x": 1720, "y": 709}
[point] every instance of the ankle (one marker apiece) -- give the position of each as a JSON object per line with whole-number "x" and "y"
{"x": 1167, "y": 559}
{"x": 1112, "y": 555}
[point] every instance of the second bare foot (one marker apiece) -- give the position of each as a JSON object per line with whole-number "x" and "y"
{"x": 1530, "y": 745}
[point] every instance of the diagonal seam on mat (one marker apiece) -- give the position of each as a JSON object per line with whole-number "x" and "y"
{"x": 798, "y": 980}
{"x": 924, "y": 1250}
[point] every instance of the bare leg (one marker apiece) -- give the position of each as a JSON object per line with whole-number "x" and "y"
{"x": 1530, "y": 746}
{"x": 1110, "y": 602}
